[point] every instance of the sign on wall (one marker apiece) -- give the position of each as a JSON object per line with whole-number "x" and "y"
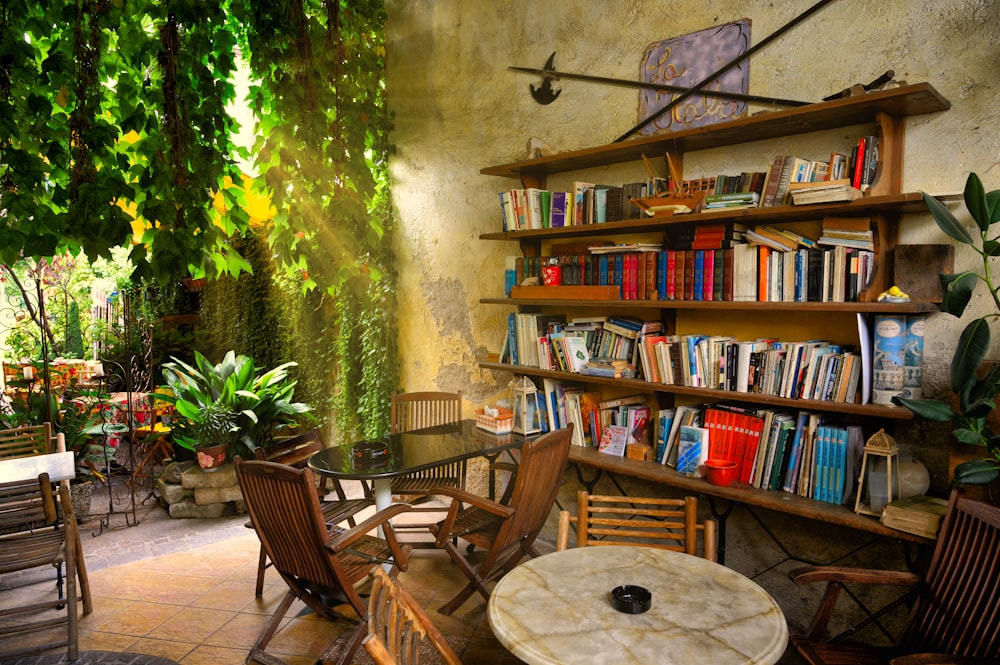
{"x": 687, "y": 60}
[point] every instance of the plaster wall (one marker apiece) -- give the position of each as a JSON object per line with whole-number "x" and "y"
{"x": 458, "y": 108}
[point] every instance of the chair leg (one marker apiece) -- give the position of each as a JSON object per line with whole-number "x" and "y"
{"x": 81, "y": 574}
{"x": 261, "y": 566}
{"x": 72, "y": 625}
{"x": 270, "y": 628}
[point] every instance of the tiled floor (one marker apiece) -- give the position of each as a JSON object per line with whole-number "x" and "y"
{"x": 196, "y": 604}
{"x": 184, "y": 589}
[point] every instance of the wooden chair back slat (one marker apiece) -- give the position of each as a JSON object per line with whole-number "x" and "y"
{"x": 958, "y": 611}
{"x": 26, "y": 441}
{"x": 397, "y": 625}
{"x": 410, "y": 411}
{"x": 670, "y": 524}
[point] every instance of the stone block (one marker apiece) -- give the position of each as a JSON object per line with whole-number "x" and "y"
{"x": 188, "y": 509}
{"x": 173, "y": 471}
{"x": 172, "y": 493}
{"x": 207, "y": 495}
{"x": 240, "y": 507}
{"x": 194, "y": 477}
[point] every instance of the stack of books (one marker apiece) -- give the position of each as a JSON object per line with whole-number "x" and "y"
{"x": 732, "y": 201}
{"x": 853, "y": 232}
{"x": 920, "y": 515}
{"x": 826, "y": 191}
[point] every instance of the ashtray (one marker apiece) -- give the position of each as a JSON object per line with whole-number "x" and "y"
{"x": 631, "y": 599}
{"x": 370, "y": 455}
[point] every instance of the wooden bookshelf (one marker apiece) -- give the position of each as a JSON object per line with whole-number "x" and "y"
{"x": 883, "y": 202}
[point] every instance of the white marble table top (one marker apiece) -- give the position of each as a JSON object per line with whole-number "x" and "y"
{"x": 556, "y": 610}
{"x": 59, "y": 466}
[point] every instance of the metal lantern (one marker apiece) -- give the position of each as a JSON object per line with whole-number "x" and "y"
{"x": 524, "y": 401}
{"x": 878, "y": 483}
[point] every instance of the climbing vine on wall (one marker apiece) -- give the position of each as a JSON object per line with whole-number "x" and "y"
{"x": 115, "y": 111}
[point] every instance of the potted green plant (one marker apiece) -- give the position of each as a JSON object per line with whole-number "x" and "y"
{"x": 212, "y": 433}
{"x": 261, "y": 402}
{"x": 974, "y": 380}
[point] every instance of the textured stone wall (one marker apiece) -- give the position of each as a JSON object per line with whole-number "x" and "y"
{"x": 458, "y": 108}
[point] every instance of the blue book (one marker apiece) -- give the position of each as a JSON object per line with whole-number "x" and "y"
{"x": 512, "y": 337}
{"x": 793, "y": 456}
{"x": 661, "y": 275}
{"x": 699, "y": 273}
{"x": 840, "y": 466}
{"x": 602, "y": 270}
{"x": 619, "y": 274}
{"x": 557, "y": 209}
{"x": 664, "y": 421}
{"x": 819, "y": 463}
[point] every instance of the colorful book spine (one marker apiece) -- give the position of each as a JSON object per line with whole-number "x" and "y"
{"x": 888, "y": 349}
{"x": 913, "y": 356}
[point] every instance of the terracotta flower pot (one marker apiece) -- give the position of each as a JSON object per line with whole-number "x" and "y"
{"x": 210, "y": 458}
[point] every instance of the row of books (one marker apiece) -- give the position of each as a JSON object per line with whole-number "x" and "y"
{"x": 744, "y": 272}
{"x": 587, "y": 203}
{"x": 628, "y": 417}
{"x": 773, "y": 449}
{"x": 624, "y": 347}
{"x": 816, "y": 370}
{"x": 592, "y": 203}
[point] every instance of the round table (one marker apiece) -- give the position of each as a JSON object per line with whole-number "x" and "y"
{"x": 556, "y": 610}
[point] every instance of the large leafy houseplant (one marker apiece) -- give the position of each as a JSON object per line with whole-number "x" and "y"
{"x": 974, "y": 381}
{"x": 261, "y": 402}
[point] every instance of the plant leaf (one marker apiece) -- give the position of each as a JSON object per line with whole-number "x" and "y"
{"x": 976, "y": 472}
{"x": 946, "y": 221}
{"x": 958, "y": 290}
{"x": 930, "y": 409}
{"x": 972, "y": 347}
{"x": 975, "y": 201}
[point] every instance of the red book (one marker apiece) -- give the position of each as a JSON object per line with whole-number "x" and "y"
{"x": 689, "y": 275}
{"x": 763, "y": 256}
{"x": 640, "y": 276}
{"x": 859, "y": 165}
{"x": 679, "y": 285}
{"x": 651, "y": 275}
{"x": 671, "y": 274}
{"x": 708, "y": 275}
{"x": 753, "y": 432}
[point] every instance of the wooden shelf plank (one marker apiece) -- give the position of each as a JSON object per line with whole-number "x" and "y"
{"x": 800, "y": 307}
{"x": 916, "y": 99}
{"x": 865, "y": 410}
{"x": 783, "y": 502}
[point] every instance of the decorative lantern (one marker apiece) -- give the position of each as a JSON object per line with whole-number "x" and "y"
{"x": 878, "y": 482}
{"x": 524, "y": 399}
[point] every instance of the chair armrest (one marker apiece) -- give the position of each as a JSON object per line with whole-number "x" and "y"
{"x": 810, "y": 574}
{"x": 341, "y": 540}
{"x": 835, "y": 577}
{"x": 464, "y": 496}
{"x": 443, "y": 532}
{"x": 504, "y": 466}
{"x": 938, "y": 659}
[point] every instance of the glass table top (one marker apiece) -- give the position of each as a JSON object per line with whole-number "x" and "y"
{"x": 412, "y": 451}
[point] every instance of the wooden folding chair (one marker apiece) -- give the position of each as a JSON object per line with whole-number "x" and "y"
{"x": 506, "y": 531}
{"x": 412, "y": 411}
{"x": 397, "y": 626}
{"x": 670, "y": 524}
{"x": 295, "y": 452}
{"x": 32, "y": 534}
{"x": 956, "y": 617}
{"x": 320, "y": 566}
{"x": 27, "y": 441}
